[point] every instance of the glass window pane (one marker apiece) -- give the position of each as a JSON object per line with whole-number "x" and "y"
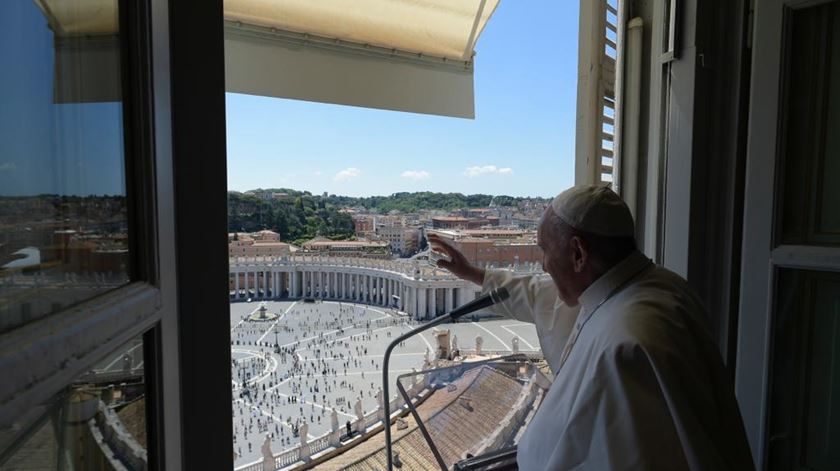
{"x": 805, "y": 395}
{"x": 96, "y": 423}
{"x": 63, "y": 221}
{"x": 810, "y": 146}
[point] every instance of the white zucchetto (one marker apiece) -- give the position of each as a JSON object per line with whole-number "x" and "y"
{"x": 594, "y": 209}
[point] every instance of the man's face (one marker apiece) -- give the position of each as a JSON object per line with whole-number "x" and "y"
{"x": 558, "y": 260}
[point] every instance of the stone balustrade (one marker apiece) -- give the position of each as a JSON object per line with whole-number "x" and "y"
{"x": 327, "y": 440}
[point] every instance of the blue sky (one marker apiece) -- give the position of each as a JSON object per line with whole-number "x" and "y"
{"x": 520, "y": 143}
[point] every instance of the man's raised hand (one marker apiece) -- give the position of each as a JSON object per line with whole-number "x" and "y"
{"x": 457, "y": 264}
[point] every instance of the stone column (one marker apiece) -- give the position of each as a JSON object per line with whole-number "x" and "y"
{"x": 236, "y": 284}
{"x": 303, "y": 452}
{"x": 422, "y": 309}
{"x": 372, "y": 295}
{"x": 246, "y": 284}
{"x": 335, "y": 431}
{"x": 402, "y": 294}
{"x": 380, "y": 401}
{"x": 448, "y": 300}
{"x": 433, "y": 303}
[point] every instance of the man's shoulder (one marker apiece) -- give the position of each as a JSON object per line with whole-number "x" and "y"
{"x": 659, "y": 309}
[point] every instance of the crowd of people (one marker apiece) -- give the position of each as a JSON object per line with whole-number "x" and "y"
{"x": 310, "y": 354}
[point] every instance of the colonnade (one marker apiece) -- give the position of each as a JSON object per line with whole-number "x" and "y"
{"x": 422, "y": 299}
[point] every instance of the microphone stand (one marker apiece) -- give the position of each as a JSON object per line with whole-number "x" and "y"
{"x": 386, "y": 402}
{"x": 493, "y": 297}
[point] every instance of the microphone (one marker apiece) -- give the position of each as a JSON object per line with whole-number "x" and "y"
{"x": 494, "y": 296}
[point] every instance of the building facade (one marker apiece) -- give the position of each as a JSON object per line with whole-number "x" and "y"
{"x": 415, "y": 288}
{"x": 264, "y": 246}
{"x": 495, "y": 247}
{"x": 348, "y": 248}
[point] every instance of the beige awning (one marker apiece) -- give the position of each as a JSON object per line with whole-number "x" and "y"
{"x": 407, "y": 55}
{"x": 442, "y": 28}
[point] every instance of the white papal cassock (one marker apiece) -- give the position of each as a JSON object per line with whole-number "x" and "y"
{"x": 642, "y": 385}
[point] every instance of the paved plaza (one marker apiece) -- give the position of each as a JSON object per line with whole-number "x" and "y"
{"x": 330, "y": 354}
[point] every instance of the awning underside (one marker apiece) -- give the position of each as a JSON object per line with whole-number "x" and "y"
{"x": 407, "y": 55}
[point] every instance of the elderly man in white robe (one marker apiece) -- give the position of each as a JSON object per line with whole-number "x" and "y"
{"x": 639, "y": 382}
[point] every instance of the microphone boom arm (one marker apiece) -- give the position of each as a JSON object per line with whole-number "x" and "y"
{"x": 493, "y": 297}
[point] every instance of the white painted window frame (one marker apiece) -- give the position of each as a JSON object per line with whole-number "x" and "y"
{"x": 41, "y": 358}
{"x": 761, "y": 261}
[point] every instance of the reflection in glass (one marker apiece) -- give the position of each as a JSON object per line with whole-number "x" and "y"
{"x": 63, "y": 222}
{"x": 805, "y": 396}
{"x": 96, "y": 423}
{"x": 810, "y": 128}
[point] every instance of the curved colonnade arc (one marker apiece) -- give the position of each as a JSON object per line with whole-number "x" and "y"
{"x": 413, "y": 287}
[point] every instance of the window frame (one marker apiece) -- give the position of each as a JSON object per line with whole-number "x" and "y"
{"x": 41, "y": 358}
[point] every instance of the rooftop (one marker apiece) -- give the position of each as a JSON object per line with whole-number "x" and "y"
{"x": 458, "y": 419}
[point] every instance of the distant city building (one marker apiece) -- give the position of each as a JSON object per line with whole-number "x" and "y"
{"x": 525, "y": 221}
{"x": 348, "y": 248}
{"x": 499, "y": 247}
{"x": 404, "y": 240}
{"x": 266, "y": 236}
{"x": 363, "y": 225}
{"x": 270, "y": 195}
{"x": 460, "y": 222}
{"x": 259, "y": 244}
{"x": 86, "y": 252}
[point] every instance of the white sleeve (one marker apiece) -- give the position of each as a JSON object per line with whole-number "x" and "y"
{"x": 531, "y": 296}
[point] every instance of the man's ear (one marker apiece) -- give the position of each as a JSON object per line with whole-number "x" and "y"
{"x": 580, "y": 255}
